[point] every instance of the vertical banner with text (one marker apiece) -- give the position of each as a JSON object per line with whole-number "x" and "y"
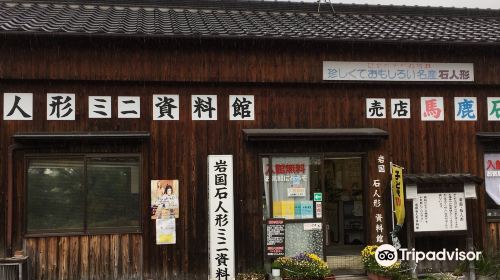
{"x": 398, "y": 193}
{"x": 221, "y": 217}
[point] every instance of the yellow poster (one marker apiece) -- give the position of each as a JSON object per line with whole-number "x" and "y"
{"x": 284, "y": 209}
{"x": 398, "y": 193}
{"x": 165, "y": 231}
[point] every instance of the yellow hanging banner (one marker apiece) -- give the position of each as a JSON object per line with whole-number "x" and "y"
{"x": 398, "y": 193}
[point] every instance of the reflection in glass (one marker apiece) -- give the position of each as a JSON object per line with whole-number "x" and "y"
{"x": 54, "y": 193}
{"x": 113, "y": 192}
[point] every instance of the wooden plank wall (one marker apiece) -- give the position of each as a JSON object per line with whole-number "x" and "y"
{"x": 419, "y": 146}
{"x": 193, "y": 60}
{"x": 493, "y": 236}
{"x": 9, "y": 273}
{"x": 286, "y": 82}
{"x": 85, "y": 257}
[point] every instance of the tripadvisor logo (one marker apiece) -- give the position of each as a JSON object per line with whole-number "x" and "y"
{"x": 387, "y": 255}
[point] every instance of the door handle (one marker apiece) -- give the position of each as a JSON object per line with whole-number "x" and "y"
{"x": 327, "y": 234}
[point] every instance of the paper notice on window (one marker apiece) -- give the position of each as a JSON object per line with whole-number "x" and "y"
{"x": 296, "y": 192}
{"x": 165, "y": 231}
{"x": 312, "y": 226}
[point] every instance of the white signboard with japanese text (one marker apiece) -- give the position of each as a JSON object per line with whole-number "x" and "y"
{"x": 241, "y": 107}
{"x": 432, "y": 108}
{"x": 204, "y": 107}
{"x": 493, "y": 108}
{"x": 61, "y": 106}
{"x": 439, "y": 212}
{"x": 18, "y": 106}
{"x": 221, "y": 217}
{"x": 465, "y": 108}
{"x": 375, "y": 108}
{"x": 492, "y": 176}
{"x": 397, "y": 71}
{"x": 313, "y": 226}
{"x": 165, "y": 107}
{"x": 129, "y": 107}
{"x": 100, "y": 107}
{"x": 400, "y": 108}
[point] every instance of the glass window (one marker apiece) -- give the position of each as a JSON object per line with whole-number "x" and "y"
{"x": 298, "y": 240}
{"x": 294, "y": 181}
{"x": 83, "y": 194}
{"x": 55, "y": 189}
{"x": 492, "y": 184}
{"x": 113, "y": 192}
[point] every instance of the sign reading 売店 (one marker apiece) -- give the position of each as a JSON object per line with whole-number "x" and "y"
{"x": 398, "y": 71}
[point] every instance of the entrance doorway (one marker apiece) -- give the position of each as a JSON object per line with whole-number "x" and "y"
{"x": 320, "y": 198}
{"x": 344, "y": 217}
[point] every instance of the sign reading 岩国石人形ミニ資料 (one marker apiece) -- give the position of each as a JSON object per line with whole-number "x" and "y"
{"x": 221, "y": 217}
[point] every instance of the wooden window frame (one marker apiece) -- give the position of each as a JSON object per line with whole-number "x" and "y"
{"x": 84, "y": 157}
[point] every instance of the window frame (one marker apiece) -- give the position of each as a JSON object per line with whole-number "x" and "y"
{"x": 270, "y": 157}
{"x": 322, "y": 155}
{"x": 489, "y": 219}
{"x": 84, "y": 157}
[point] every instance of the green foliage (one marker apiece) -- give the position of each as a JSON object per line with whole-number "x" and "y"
{"x": 488, "y": 265}
{"x": 302, "y": 266}
{"x": 397, "y": 271}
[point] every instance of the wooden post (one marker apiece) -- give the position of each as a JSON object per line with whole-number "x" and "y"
{"x": 410, "y": 237}
{"x": 470, "y": 237}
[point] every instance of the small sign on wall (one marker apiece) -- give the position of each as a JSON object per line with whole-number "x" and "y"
{"x": 165, "y": 231}
{"x": 204, "y": 107}
{"x": 397, "y": 71}
{"x": 100, "y": 107}
{"x": 164, "y": 199}
{"x": 18, "y": 106}
{"x": 296, "y": 192}
{"x": 375, "y": 108}
{"x": 275, "y": 238}
{"x": 313, "y": 226}
{"x": 432, "y": 108}
{"x": 61, "y": 106}
{"x": 439, "y": 212}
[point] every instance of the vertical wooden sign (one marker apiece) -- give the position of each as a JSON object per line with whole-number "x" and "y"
{"x": 221, "y": 217}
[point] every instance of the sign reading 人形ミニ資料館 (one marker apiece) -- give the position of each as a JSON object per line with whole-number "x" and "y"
{"x": 397, "y": 71}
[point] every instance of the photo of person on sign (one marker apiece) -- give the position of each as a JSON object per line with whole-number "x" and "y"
{"x": 164, "y": 199}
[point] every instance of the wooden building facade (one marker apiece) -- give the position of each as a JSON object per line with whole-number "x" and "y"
{"x": 285, "y": 77}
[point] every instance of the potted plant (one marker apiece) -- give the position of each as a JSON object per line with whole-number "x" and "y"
{"x": 377, "y": 272}
{"x": 303, "y": 266}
